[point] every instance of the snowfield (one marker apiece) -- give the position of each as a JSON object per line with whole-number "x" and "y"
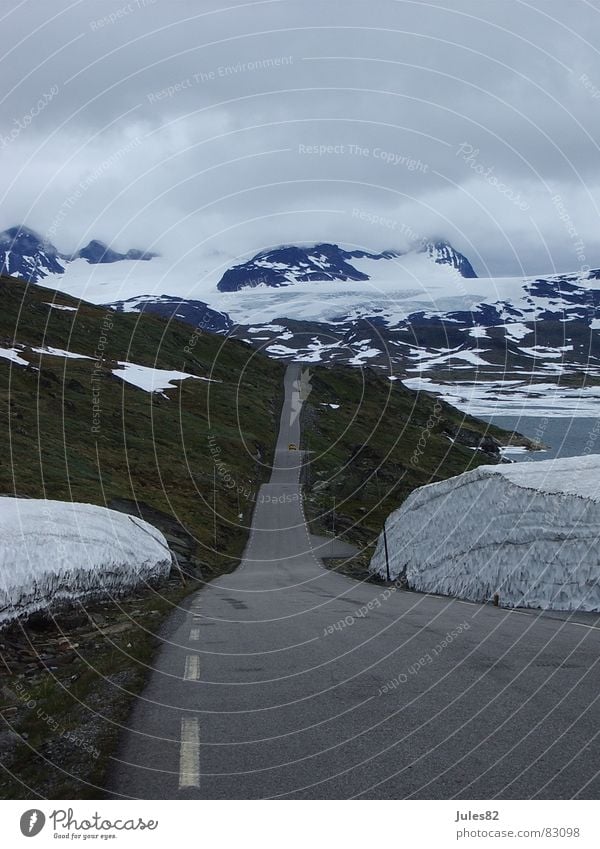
{"x": 55, "y": 551}
{"x": 527, "y": 531}
{"x": 514, "y": 397}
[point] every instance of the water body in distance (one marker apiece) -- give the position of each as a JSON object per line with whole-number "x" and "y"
{"x": 565, "y": 437}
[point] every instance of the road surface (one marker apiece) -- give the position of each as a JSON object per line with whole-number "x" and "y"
{"x": 286, "y": 680}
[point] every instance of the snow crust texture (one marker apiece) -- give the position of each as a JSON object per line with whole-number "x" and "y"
{"x": 54, "y": 552}
{"x": 527, "y": 531}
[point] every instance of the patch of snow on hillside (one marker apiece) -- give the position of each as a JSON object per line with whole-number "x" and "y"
{"x": 357, "y": 360}
{"x": 59, "y": 352}
{"x": 467, "y": 356}
{"x": 274, "y": 327}
{"x": 508, "y": 450}
{"x": 278, "y": 350}
{"x": 60, "y": 307}
{"x": 310, "y": 353}
{"x": 151, "y": 379}
{"x": 12, "y": 354}
{"x": 540, "y": 351}
{"x": 515, "y": 331}
{"x": 529, "y": 532}
{"x": 477, "y": 332}
{"x": 55, "y": 551}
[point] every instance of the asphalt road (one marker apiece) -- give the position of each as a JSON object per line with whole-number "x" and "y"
{"x": 284, "y": 679}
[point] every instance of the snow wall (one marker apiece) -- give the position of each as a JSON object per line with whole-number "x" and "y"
{"x": 527, "y": 531}
{"x": 54, "y": 551}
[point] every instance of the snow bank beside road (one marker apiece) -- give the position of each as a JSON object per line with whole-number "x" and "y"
{"x": 527, "y": 531}
{"x": 54, "y": 551}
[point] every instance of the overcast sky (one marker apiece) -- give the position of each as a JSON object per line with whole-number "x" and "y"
{"x": 218, "y": 129}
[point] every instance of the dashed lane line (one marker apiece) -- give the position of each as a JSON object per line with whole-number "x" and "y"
{"x": 189, "y": 754}
{"x": 191, "y": 671}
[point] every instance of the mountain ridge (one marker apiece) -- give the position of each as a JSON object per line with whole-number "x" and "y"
{"x": 32, "y": 257}
{"x": 288, "y": 264}
{"x": 421, "y": 315}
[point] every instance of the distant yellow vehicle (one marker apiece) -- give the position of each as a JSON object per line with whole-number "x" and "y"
{"x": 292, "y": 446}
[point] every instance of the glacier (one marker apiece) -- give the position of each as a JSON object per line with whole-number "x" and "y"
{"x": 53, "y": 552}
{"x": 528, "y": 532}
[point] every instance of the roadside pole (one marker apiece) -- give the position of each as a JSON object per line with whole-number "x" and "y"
{"x": 215, "y": 506}
{"x": 387, "y": 559}
{"x": 306, "y": 464}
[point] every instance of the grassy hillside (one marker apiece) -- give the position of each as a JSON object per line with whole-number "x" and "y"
{"x": 135, "y": 445}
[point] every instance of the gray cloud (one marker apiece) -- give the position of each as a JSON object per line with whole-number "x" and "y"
{"x": 192, "y": 127}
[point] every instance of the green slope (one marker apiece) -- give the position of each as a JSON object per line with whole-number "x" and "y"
{"x": 138, "y": 445}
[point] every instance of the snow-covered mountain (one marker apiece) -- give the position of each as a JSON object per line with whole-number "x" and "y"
{"x": 26, "y": 254}
{"x": 97, "y": 252}
{"x": 325, "y": 286}
{"x": 422, "y": 314}
{"x": 489, "y": 345}
{"x": 197, "y": 313}
{"x": 549, "y": 318}
{"x": 291, "y": 264}
{"x": 443, "y": 253}
{"x": 23, "y": 253}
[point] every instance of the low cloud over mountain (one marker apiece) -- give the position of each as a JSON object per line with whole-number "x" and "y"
{"x": 226, "y": 131}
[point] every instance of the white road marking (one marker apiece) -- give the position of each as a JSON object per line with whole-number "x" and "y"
{"x": 189, "y": 755}
{"x": 581, "y": 625}
{"x": 539, "y": 616}
{"x": 553, "y": 619}
{"x": 195, "y": 634}
{"x": 533, "y": 614}
{"x": 192, "y": 668}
